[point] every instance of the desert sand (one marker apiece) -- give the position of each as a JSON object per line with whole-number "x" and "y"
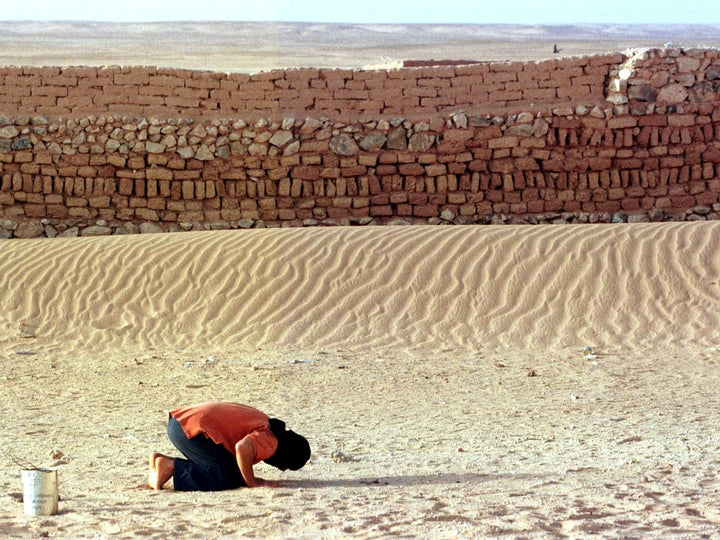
{"x": 440, "y": 373}
{"x": 263, "y": 46}
{"x": 476, "y": 381}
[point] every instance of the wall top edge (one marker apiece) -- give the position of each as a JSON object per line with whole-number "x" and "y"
{"x": 409, "y": 64}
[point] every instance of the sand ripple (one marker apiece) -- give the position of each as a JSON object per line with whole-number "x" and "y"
{"x": 426, "y": 287}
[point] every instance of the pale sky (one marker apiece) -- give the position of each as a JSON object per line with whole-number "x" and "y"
{"x": 528, "y": 12}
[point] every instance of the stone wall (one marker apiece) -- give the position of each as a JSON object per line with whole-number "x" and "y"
{"x": 418, "y": 91}
{"x": 613, "y": 137}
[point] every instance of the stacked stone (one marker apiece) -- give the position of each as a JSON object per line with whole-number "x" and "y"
{"x": 663, "y": 80}
{"x": 647, "y": 148}
{"x": 572, "y": 164}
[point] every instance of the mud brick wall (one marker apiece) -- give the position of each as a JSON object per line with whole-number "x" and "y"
{"x": 416, "y": 91}
{"x": 608, "y": 138}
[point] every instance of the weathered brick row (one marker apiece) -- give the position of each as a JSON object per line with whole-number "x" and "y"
{"x": 570, "y": 159}
{"x": 94, "y": 83}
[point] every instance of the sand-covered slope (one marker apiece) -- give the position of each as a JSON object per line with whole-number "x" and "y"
{"x": 408, "y": 287}
{"x": 439, "y": 374}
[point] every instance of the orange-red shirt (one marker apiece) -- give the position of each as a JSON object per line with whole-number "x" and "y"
{"x": 228, "y": 423}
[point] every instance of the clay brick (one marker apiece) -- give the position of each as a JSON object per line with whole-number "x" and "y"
{"x": 14, "y": 93}
{"x": 158, "y": 173}
{"x": 157, "y": 90}
{"x": 165, "y": 80}
{"x": 671, "y": 162}
{"x": 191, "y": 93}
{"x": 608, "y": 206}
{"x": 35, "y": 102}
{"x": 503, "y": 142}
{"x": 181, "y": 102}
{"x": 420, "y": 92}
{"x": 342, "y": 202}
{"x": 30, "y": 198}
{"x": 573, "y": 92}
{"x": 63, "y": 80}
{"x": 30, "y": 168}
{"x": 462, "y": 135}
{"x": 539, "y": 94}
{"x": 438, "y": 72}
{"x": 431, "y": 103}
{"x": 35, "y": 210}
{"x": 589, "y": 80}
{"x": 55, "y": 91}
{"x": 620, "y": 122}
{"x": 681, "y": 120}
{"x": 656, "y": 120}
{"x": 628, "y": 163}
{"x": 134, "y": 78}
{"x": 187, "y": 189}
{"x": 497, "y": 77}
{"x": 79, "y": 72}
{"x": 23, "y": 157}
{"x": 125, "y": 186}
{"x": 707, "y": 199}
{"x": 87, "y": 172}
{"x": 102, "y": 201}
{"x": 504, "y": 95}
{"x": 409, "y": 169}
{"x": 441, "y": 85}
{"x": 435, "y": 170}
{"x": 682, "y": 201}
{"x": 305, "y": 173}
{"x": 381, "y": 211}
{"x": 186, "y": 175}
{"x": 23, "y": 80}
{"x": 203, "y": 81}
{"x": 465, "y": 81}
{"x": 75, "y": 202}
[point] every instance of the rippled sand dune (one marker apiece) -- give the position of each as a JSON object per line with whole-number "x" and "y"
{"x": 430, "y": 287}
{"x": 440, "y": 373}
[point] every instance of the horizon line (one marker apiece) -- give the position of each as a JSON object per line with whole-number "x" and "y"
{"x": 349, "y": 23}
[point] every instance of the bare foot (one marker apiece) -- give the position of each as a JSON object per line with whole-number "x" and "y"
{"x": 160, "y": 471}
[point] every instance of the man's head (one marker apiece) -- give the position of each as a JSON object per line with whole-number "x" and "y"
{"x": 293, "y": 450}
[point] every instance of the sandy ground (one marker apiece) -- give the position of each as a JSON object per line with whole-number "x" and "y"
{"x": 251, "y": 47}
{"x": 438, "y": 372}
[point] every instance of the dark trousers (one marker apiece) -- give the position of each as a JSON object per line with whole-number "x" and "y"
{"x": 208, "y": 467}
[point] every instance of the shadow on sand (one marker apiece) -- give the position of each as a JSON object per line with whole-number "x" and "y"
{"x": 407, "y": 480}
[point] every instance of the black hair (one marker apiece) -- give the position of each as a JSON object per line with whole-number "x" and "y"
{"x": 293, "y": 450}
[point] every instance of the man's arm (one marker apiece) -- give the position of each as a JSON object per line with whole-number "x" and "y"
{"x": 245, "y": 456}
